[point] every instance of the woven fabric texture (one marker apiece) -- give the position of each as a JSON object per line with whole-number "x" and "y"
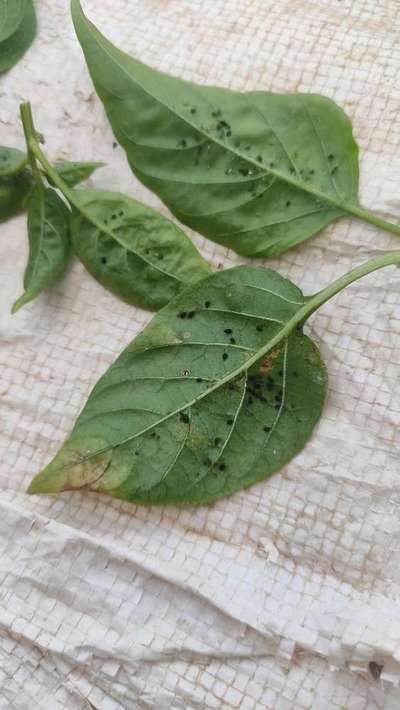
{"x": 283, "y": 596}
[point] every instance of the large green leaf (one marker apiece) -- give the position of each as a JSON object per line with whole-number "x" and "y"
{"x": 132, "y": 250}
{"x": 12, "y": 13}
{"x": 258, "y": 172}
{"x": 49, "y": 244}
{"x": 219, "y": 391}
{"x": 15, "y": 45}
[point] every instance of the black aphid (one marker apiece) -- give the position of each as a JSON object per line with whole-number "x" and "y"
{"x": 199, "y": 379}
{"x": 259, "y": 328}
{"x": 232, "y": 340}
{"x": 182, "y": 314}
{"x": 280, "y": 373}
{"x": 222, "y": 467}
{"x": 225, "y": 356}
{"x": 115, "y": 144}
{"x": 193, "y": 110}
{"x": 228, "y": 331}
{"x": 259, "y": 158}
{"x": 267, "y": 429}
{"x": 207, "y": 304}
{"x": 272, "y": 165}
{"x": 330, "y": 156}
{"x": 277, "y": 406}
{"x": 288, "y": 203}
{"x": 103, "y": 260}
{"x": 191, "y": 314}
{"x": 229, "y": 421}
{"x": 217, "y": 441}
{"x": 184, "y": 417}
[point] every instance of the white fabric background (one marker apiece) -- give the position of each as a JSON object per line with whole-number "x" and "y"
{"x": 280, "y": 596}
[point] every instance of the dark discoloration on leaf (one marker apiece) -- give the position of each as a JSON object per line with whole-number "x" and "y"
{"x": 258, "y": 172}
{"x": 180, "y": 423}
{"x": 133, "y": 251}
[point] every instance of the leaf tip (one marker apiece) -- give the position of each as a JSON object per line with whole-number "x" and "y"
{"x": 17, "y": 305}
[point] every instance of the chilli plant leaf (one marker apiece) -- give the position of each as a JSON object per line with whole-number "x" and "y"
{"x": 17, "y": 31}
{"x": 219, "y": 391}
{"x": 49, "y": 243}
{"x": 256, "y": 171}
{"x": 132, "y": 250}
{"x": 12, "y": 12}
{"x": 16, "y": 180}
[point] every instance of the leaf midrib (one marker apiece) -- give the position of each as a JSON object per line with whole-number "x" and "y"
{"x": 338, "y": 204}
{"x": 104, "y": 229}
{"x": 309, "y": 305}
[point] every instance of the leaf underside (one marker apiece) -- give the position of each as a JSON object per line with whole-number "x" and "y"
{"x": 132, "y": 250}
{"x": 75, "y": 172}
{"x": 49, "y": 243}
{"x": 256, "y": 171}
{"x": 12, "y": 161}
{"x": 14, "y": 192}
{"x": 11, "y": 15}
{"x": 199, "y": 406}
{"x": 14, "y": 46}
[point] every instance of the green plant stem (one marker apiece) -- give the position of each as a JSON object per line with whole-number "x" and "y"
{"x": 69, "y": 194}
{"x": 390, "y": 258}
{"x": 367, "y": 216}
{"x": 29, "y": 132}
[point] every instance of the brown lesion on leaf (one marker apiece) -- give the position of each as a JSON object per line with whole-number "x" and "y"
{"x": 85, "y": 471}
{"x": 267, "y": 363}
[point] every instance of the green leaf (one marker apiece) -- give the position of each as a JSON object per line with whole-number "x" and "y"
{"x": 256, "y": 171}
{"x": 12, "y": 161}
{"x": 12, "y": 13}
{"x": 219, "y": 391}
{"x": 16, "y": 180}
{"x": 49, "y": 244}
{"x": 14, "y": 192}
{"x": 74, "y": 172}
{"x": 132, "y": 250}
{"x": 14, "y": 46}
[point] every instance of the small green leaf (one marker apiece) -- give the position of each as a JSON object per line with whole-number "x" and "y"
{"x": 12, "y": 13}
{"x": 217, "y": 393}
{"x": 14, "y": 192}
{"x": 15, "y": 45}
{"x": 12, "y": 161}
{"x": 74, "y": 172}
{"x": 49, "y": 244}
{"x": 132, "y": 250}
{"x": 257, "y": 172}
